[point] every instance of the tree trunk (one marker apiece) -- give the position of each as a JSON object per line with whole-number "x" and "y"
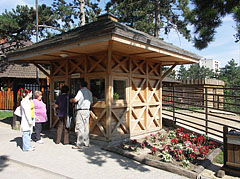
{"x": 82, "y": 12}
{"x": 157, "y": 19}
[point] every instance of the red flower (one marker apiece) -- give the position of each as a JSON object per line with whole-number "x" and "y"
{"x": 192, "y": 156}
{"x": 203, "y": 151}
{"x": 174, "y": 141}
{"x": 201, "y": 140}
{"x": 154, "y": 150}
{"x": 179, "y": 130}
{"x": 212, "y": 144}
{"x": 193, "y": 140}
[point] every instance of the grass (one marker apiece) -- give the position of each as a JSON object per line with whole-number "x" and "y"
{"x": 5, "y": 114}
{"x": 219, "y": 158}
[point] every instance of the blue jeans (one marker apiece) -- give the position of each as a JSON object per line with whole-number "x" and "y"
{"x": 26, "y": 140}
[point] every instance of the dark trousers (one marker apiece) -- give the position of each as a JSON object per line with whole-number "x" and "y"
{"x": 62, "y": 125}
{"x": 38, "y": 129}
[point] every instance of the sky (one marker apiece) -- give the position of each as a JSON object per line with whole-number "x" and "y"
{"x": 222, "y": 49}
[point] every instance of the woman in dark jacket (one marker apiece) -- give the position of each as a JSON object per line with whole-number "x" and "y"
{"x": 62, "y": 105}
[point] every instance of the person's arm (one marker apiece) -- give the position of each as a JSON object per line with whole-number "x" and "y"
{"x": 25, "y": 111}
{"x": 78, "y": 97}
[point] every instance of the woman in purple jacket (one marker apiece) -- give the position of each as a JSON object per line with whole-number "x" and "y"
{"x": 40, "y": 115}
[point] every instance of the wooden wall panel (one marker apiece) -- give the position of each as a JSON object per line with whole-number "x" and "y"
{"x": 139, "y": 113}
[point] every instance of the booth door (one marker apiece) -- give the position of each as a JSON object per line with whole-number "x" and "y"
{"x": 56, "y": 91}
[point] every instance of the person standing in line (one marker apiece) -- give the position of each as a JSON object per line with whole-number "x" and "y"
{"x": 84, "y": 100}
{"x": 61, "y": 104}
{"x": 40, "y": 115}
{"x": 27, "y": 120}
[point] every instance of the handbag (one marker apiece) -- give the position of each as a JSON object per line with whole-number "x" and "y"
{"x": 68, "y": 123}
{"x": 18, "y": 111}
{"x": 69, "y": 118}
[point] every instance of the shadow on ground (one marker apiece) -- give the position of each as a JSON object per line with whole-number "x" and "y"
{"x": 7, "y": 121}
{"x": 3, "y": 162}
{"x": 96, "y": 155}
{"x": 18, "y": 141}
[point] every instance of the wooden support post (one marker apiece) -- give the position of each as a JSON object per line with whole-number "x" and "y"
{"x": 130, "y": 97}
{"x": 160, "y": 91}
{"x": 109, "y": 92}
{"x": 206, "y": 110}
{"x": 51, "y": 95}
{"x": 173, "y": 103}
{"x": 147, "y": 121}
{"x": 225, "y": 132}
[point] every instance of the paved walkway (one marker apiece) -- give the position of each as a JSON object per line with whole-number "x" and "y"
{"x": 61, "y": 161}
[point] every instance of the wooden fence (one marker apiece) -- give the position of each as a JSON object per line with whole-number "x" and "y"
{"x": 204, "y": 110}
{"x": 6, "y": 100}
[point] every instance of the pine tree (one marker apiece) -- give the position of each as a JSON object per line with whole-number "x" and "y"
{"x": 207, "y": 16}
{"x": 182, "y": 73}
{"x": 152, "y": 16}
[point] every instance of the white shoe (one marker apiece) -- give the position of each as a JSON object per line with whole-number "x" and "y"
{"x": 40, "y": 141}
{"x": 29, "y": 150}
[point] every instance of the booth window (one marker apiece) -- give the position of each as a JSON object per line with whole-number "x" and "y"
{"x": 97, "y": 87}
{"x": 119, "y": 89}
{"x": 75, "y": 85}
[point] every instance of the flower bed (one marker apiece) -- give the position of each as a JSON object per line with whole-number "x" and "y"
{"x": 187, "y": 150}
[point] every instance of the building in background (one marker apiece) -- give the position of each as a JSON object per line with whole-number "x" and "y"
{"x": 211, "y": 64}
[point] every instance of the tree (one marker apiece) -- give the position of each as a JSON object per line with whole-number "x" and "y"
{"x": 151, "y": 16}
{"x": 182, "y": 73}
{"x": 76, "y": 13}
{"x": 155, "y": 16}
{"x": 230, "y": 74}
{"x": 207, "y": 16}
{"x": 197, "y": 72}
{"x": 20, "y": 23}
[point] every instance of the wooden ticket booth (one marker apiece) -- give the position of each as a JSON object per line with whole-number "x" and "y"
{"x": 123, "y": 68}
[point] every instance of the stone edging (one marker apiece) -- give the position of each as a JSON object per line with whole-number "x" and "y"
{"x": 166, "y": 166}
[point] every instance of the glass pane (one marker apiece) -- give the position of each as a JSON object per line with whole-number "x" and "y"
{"x": 119, "y": 89}
{"x": 75, "y": 85}
{"x": 97, "y": 87}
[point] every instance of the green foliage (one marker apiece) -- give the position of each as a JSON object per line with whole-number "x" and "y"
{"x": 195, "y": 72}
{"x": 115, "y": 96}
{"x": 69, "y": 12}
{"x": 5, "y": 114}
{"x": 182, "y": 73}
{"x": 206, "y": 17}
{"x": 230, "y": 74}
{"x": 20, "y": 23}
{"x": 219, "y": 158}
{"x": 152, "y": 16}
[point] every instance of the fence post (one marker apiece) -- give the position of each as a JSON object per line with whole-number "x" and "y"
{"x": 225, "y": 132}
{"x": 173, "y": 102}
{"x": 206, "y": 110}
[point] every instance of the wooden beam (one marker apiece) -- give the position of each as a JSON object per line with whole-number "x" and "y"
{"x": 109, "y": 91}
{"x": 68, "y": 51}
{"x": 141, "y": 53}
{"x": 168, "y": 71}
{"x": 42, "y": 69}
{"x": 157, "y": 57}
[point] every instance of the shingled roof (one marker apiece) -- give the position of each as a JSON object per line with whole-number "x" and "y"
{"x": 21, "y": 71}
{"x": 95, "y": 37}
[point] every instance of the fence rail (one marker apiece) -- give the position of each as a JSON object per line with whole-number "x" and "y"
{"x": 205, "y": 110}
{"x": 6, "y": 100}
